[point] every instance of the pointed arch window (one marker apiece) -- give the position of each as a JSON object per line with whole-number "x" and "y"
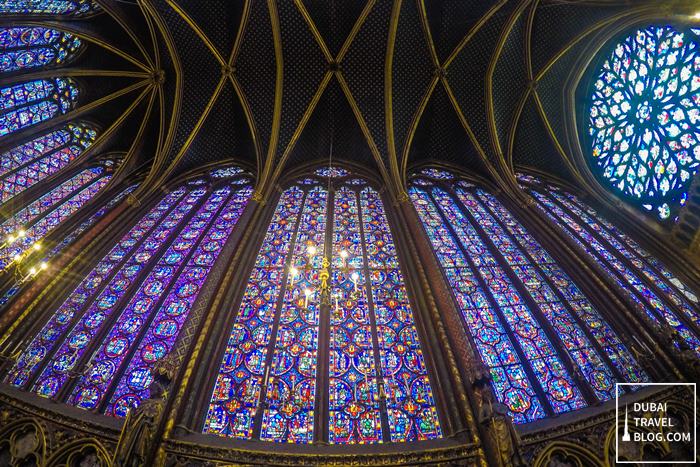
{"x": 357, "y": 356}
{"x": 27, "y": 104}
{"x": 48, "y": 7}
{"x": 126, "y": 314}
{"x": 645, "y": 281}
{"x": 33, "y": 162}
{"x": 532, "y": 326}
{"x": 23, "y": 230}
{"x": 22, "y": 48}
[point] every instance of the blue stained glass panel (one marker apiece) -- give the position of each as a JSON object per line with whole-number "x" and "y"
{"x": 409, "y": 397}
{"x": 173, "y": 312}
{"x": 57, "y": 369}
{"x": 28, "y": 47}
{"x": 238, "y": 385}
{"x": 509, "y": 378}
{"x": 26, "y": 104}
{"x": 47, "y": 339}
{"x": 49, "y": 7}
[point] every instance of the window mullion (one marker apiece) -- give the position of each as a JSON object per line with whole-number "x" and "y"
{"x": 552, "y": 286}
{"x": 535, "y": 383}
{"x": 118, "y": 373}
{"x": 659, "y": 315}
{"x": 383, "y": 409}
{"x": 321, "y": 403}
{"x": 82, "y": 365}
{"x": 77, "y": 316}
{"x": 260, "y": 408}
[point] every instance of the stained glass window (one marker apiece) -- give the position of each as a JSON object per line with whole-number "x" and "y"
{"x": 520, "y": 308}
{"x": 42, "y": 157}
{"x": 145, "y": 287}
{"x": 644, "y": 117}
{"x": 277, "y": 371}
{"x": 26, "y": 104}
{"x": 32, "y": 46}
{"x": 24, "y": 230}
{"x": 332, "y": 172}
{"x": 49, "y": 7}
{"x": 650, "y": 286}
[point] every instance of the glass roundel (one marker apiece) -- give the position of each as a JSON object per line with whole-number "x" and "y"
{"x": 643, "y": 121}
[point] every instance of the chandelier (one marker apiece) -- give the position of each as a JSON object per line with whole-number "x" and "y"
{"x": 22, "y": 270}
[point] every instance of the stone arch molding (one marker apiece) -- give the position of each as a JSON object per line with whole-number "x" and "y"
{"x": 21, "y": 441}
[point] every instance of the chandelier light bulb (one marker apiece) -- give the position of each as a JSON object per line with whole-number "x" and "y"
{"x": 37, "y": 246}
{"x": 32, "y": 271}
{"x": 696, "y": 15}
{"x": 21, "y": 233}
{"x": 43, "y": 265}
{"x": 10, "y": 238}
{"x": 311, "y": 250}
{"x": 355, "y": 276}
{"x": 293, "y": 272}
{"x": 17, "y": 258}
{"x": 307, "y": 293}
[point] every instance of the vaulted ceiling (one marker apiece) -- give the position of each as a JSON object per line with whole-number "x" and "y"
{"x": 387, "y": 83}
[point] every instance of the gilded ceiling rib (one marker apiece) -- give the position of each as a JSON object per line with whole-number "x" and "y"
{"x": 314, "y": 30}
{"x": 161, "y": 119}
{"x": 553, "y": 137}
{"x": 443, "y": 78}
{"x": 238, "y": 89}
{"x": 127, "y": 28}
{"x": 161, "y": 156}
{"x": 262, "y": 184}
{"x": 245, "y": 15}
{"x": 425, "y": 25}
{"x": 584, "y": 175}
{"x": 395, "y": 180}
{"x": 462, "y": 119}
{"x": 130, "y": 154}
{"x": 508, "y": 175}
{"x": 483, "y": 20}
{"x": 84, "y": 37}
{"x": 566, "y": 157}
{"x": 341, "y": 80}
{"x": 75, "y": 113}
{"x": 324, "y": 82}
{"x": 564, "y": 50}
{"x": 417, "y": 116}
{"x": 118, "y": 122}
{"x": 198, "y": 31}
{"x": 302, "y": 123}
{"x": 247, "y": 111}
{"x": 152, "y": 34}
{"x": 514, "y": 127}
{"x": 363, "y": 126}
{"x": 528, "y": 40}
{"x": 72, "y": 73}
{"x": 355, "y": 29}
{"x": 190, "y": 138}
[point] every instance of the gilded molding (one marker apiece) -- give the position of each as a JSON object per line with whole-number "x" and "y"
{"x": 107, "y": 7}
